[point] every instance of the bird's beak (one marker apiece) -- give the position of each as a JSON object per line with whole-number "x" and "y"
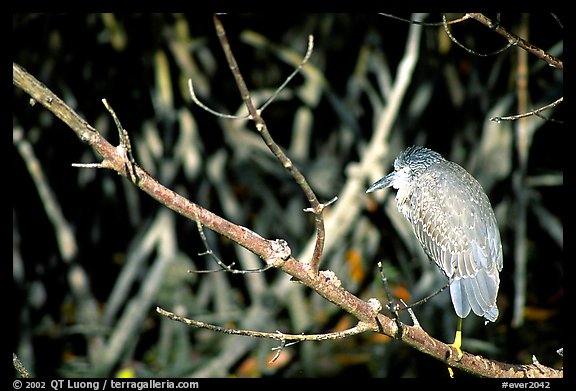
{"x": 382, "y": 183}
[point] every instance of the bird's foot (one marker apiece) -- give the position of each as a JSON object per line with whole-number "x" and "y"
{"x": 456, "y": 345}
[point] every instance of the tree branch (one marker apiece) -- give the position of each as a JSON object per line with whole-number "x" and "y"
{"x": 272, "y": 251}
{"x": 516, "y": 40}
{"x": 358, "y": 329}
{"x": 530, "y": 113}
{"x": 316, "y": 206}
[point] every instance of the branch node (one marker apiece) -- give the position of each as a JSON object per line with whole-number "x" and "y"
{"x": 375, "y": 305}
{"x": 412, "y": 315}
{"x": 320, "y": 207}
{"x": 281, "y": 253}
{"x": 124, "y": 148}
{"x": 330, "y": 277}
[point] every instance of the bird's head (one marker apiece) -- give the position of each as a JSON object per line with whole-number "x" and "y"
{"x": 408, "y": 166}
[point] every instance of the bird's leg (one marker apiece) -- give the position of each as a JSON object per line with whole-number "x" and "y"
{"x": 458, "y": 339}
{"x": 457, "y": 344}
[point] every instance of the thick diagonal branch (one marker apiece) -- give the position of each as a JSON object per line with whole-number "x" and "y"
{"x": 273, "y": 252}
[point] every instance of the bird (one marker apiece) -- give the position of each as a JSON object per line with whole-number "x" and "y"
{"x": 455, "y": 224}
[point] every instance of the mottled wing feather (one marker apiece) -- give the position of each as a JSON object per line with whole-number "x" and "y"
{"x": 455, "y": 224}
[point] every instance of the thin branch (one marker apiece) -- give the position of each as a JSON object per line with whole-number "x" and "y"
{"x": 317, "y": 207}
{"x": 124, "y": 147}
{"x": 427, "y": 298}
{"x": 224, "y": 267}
{"x": 530, "y": 113}
{"x": 516, "y": 40}
{"x": 208, "y": 109}
{"x": 267, "y": 102}
{"x": 279, "y": 349}
{"x": 445, "y": 24}
{"x": 427, "y": 24}
{"x": 557, "y": 19}
{"x": 322, "y": 205}
{"x": 411, "y": 313}
{"x": 360, "y": 328}
{"x": 393, "y": 308}
{"x": 293, "y": 74}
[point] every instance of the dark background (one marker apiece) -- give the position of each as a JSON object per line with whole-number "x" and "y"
{"x": 71, "y": 310}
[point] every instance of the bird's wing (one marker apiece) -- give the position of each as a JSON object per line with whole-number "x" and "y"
{"x": 456, "y": 226}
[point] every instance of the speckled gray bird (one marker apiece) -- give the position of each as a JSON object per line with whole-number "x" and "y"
{"x": 455, "y": 224}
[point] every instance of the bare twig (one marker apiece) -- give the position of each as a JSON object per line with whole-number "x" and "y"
{"x": 317, "y": 207}
{"x": 392, "y": 307}
{"x": 124, "y": 149}
{"x": 530, "y": 113}
{"x": 125, "y": 146}
{"x": 510, "y": 43}
{"x": 223, "y": 266}
{"x": 268, "y": 101}
{"x": 557, "y": 19}
{"x": 411, "y": 313}
{"x": 428, "y": 24}
{"x": 395, "y": 308}
{"x": 516, "y": 40}
{"x": 279, "y": 349}
{"x": 360, "y": 328}
{"x": 294, "y": 73}
{"x": 427, "y": 298}
{"x": 208, "y": 109}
